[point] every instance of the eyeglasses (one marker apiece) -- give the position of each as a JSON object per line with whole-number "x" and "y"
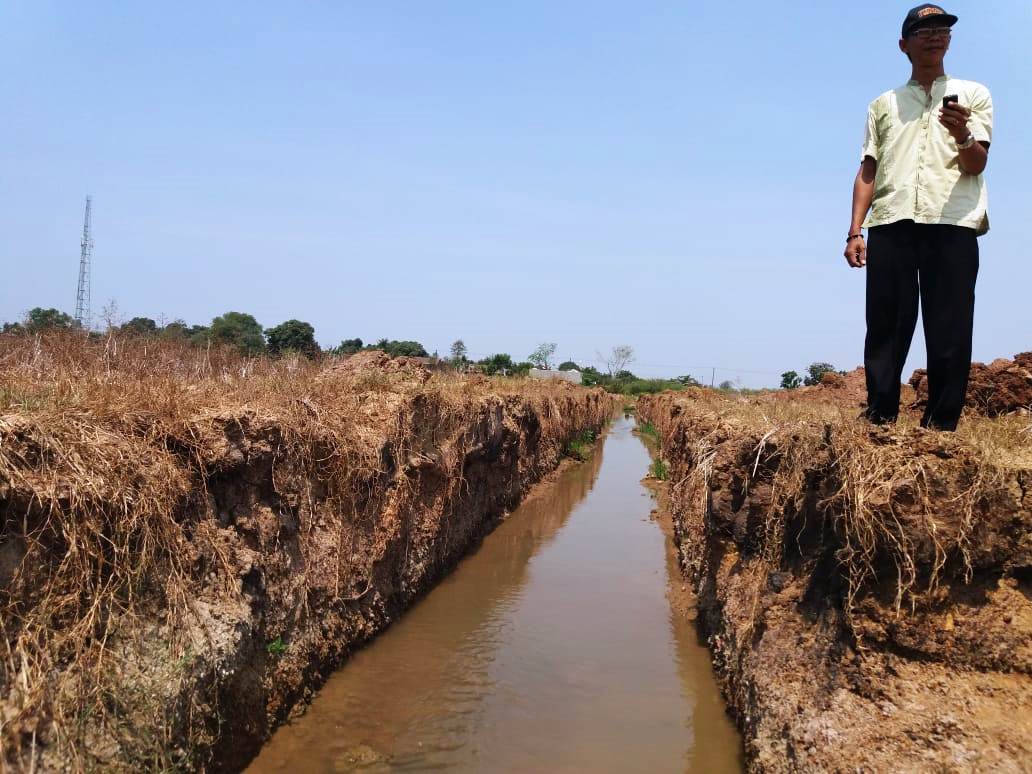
{"x": 927, "y": 33}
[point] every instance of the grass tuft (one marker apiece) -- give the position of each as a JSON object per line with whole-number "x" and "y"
{"x": 580, "y": 446}
{"x": 659, "y": 470}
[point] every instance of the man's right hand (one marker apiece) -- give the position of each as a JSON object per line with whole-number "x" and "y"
{"x": 856, "y": 252}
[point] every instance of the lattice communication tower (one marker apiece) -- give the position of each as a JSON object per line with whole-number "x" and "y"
{"x": 82, "y": 297}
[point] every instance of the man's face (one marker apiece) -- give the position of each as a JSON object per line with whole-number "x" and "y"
{"x": 927, "y": 45}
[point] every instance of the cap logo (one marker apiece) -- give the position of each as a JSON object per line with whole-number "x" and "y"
{"x": 928, "y": 12}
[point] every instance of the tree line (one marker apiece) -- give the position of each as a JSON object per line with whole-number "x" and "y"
{"x": 615, "y": 377}
{"x": 235, "y": 329}
{"x": 244, "y": 333}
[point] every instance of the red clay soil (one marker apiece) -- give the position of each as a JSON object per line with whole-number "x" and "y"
{"x": 269, "y": 537}
{"x": 1002, "y": 387}
{"x": 866, "y": 592}
{"x": 848, "y": 391}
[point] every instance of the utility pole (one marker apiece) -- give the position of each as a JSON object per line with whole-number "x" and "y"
{"x": 82, "y": 296}
{"x": 713, "y": 377}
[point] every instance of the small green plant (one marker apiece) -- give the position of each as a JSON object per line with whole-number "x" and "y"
{"x": 276, "y": 647}
{"x": 649, "y": 429}
{"x": 659, "y": 470}
{"x": 580, "y": 446}
{"x": 629, "y": 408}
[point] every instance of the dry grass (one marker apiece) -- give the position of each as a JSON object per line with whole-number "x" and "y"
{"x": 900, "y": 499}
{"x": 105, "y": 448}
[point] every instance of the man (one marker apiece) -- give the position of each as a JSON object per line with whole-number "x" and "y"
{"x": 921, "y": 194}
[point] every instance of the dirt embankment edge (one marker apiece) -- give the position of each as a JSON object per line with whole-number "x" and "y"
{"x": 290, "y": 550}
{"x": 866, "y": 593}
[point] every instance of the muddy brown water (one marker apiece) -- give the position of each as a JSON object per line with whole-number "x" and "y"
{"x": 553, "y": 647}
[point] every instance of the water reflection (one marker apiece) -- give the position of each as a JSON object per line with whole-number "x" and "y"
{"x": 552, "y": 648}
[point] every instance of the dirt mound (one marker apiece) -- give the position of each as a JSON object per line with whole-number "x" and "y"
{"x": 846, "y": 390}
{"x": 866, "y": 592}
{"x": 1002, "y": 387}
{"x": 374, "y": 368}
{"x": 190, "y": 542}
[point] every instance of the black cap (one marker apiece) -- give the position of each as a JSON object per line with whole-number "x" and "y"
{"x": 927, "y": 12}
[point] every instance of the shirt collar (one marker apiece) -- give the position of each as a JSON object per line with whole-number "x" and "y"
{"x": 941, "y": 79}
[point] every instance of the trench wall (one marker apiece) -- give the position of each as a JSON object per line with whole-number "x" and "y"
{"x": 286, "y": 551}
{"x": 865, "y": 593}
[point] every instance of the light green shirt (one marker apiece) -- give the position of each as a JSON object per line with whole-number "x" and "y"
{"x": 919, "y": 176}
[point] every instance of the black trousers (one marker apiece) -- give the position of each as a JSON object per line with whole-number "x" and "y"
{"x": 939, "y": 265}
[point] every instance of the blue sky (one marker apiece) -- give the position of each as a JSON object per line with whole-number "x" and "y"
{"x": 670, "y": 175}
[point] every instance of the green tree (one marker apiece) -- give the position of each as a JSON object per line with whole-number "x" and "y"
{"x": 239, "y": 330}
{"x": 592, "y": 377}
{"x": 816, "y": 371}
{"x": 400, "y": 348}
{"x": 569, "y": 365}
{"x": 790, "y": 380}
{"x": 542, "y": 355}
{"x": 292, "y": 336}
{"x": 199, "y": 335}
{"x": 175, "y": 330}
{"x": 727, "y": 385}
{"x": 348, "y": 347}
{"x": 40, "y": 319}
{"x": 14, "y": 327}
{"x": 624, "y": 375}
{"x": 139, "y": 326}
{"x": 688, "y": 381}
{"x": 459, "y": 351}
{"x": 500, "y": 363}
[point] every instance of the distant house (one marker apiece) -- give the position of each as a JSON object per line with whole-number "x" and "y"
{"x": 573, "y": 375}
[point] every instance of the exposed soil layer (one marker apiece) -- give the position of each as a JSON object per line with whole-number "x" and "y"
{"x": 178, "y": 573}
{"x": 1002, "y": 387}
{"x": 866, "y": 592}
{"x": 848, "y": 392}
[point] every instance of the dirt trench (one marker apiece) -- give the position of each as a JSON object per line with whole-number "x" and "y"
{"x": 271, "y": 551}
{"x": 866, "y": 593}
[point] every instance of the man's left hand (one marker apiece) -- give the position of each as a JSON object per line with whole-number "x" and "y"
{"x": 955, "y": 118}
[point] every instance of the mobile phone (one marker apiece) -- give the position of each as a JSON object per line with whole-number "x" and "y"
{"x": 948, "y": 99}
